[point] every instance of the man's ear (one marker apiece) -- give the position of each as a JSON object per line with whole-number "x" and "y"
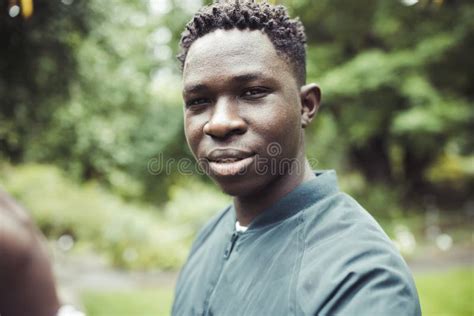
{"x": 310, "y": 95}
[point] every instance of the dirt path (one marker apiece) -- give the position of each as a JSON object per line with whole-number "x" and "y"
{"x": 434, "y": 260}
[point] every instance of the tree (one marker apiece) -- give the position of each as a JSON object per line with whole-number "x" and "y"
{"x": 395, "y": 95}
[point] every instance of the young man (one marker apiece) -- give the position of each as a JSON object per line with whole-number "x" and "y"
{"x": 291, "y": 243}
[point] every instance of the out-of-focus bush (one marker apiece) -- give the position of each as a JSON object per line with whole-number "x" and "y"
{"x": 193, "y": 203}
{"x": 381, "y": 201}
{"x": 130, "y": 235}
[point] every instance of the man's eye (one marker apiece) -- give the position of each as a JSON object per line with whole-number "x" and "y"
{"x": 197, "y": 102}
{"x": 255, "y": 93}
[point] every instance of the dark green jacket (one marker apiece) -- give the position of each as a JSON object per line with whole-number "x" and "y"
{"x": 314, "y": 252}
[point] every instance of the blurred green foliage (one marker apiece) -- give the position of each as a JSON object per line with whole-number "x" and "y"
{"x": 130, "y": 235}
{"x": 396, "y": 100}
{"x": 103, "y": 116}
{"x": 92, "y": 87}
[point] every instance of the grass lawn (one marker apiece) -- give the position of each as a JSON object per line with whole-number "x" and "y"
{"x": 449, "y": 293}
{"x": 149, "y": 302}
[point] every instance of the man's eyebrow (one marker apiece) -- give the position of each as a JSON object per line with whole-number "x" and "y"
{"x": 195, "y": 88}
{"x": 247, "y": 77}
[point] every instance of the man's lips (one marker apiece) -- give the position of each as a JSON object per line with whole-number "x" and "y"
{"x": 229, "y": 161}
{"x": 227, "y": 155}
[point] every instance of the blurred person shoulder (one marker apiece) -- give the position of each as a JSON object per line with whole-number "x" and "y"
{"x": 18, "y": 235}
{"x": 27, "y": 285}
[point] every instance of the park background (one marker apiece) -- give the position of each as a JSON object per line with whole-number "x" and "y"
{"x": 91, "y": 112}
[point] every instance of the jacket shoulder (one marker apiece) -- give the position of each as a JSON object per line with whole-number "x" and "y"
{"x": 350, "y": 266}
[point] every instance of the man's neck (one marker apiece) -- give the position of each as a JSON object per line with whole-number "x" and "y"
{"x": 249, "y": 207}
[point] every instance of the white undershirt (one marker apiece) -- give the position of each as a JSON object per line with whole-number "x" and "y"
{"x": 239, "y": 228}
{"x": 68, "y": 310}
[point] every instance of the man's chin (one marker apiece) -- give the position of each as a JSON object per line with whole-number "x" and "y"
{"x": 233, "y": 191}
{"x": 239, "y": 186}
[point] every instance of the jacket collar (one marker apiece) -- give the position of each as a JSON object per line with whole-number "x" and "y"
{"x": 303, "y": 196}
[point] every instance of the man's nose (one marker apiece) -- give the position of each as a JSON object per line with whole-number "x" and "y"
{"x": 225, "y": 120}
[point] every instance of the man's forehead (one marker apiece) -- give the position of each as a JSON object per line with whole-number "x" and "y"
{"x": 232, "y": 52}
{"x": 230, "y": 42}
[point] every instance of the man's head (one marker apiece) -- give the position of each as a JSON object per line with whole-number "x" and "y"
{"x": 287, "y": 35}
{"x": 245, "y": 107}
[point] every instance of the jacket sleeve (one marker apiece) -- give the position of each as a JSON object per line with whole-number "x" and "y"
{"x": 369, "y": 287}
{"x": 358, "y": 273}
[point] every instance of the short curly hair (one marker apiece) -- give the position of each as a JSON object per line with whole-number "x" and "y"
{"x": 287, "y": 35}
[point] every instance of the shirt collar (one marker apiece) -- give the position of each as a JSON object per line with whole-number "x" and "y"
{"x": 239, "y": 228}
{"x": 303, "y": 196}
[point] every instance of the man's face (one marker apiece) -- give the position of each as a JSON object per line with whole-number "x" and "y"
{"x": 242, "y": 111}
